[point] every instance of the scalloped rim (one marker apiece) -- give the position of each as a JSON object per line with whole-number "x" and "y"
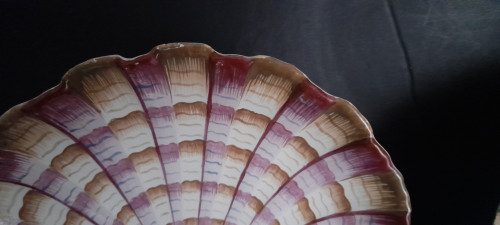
{"x": 11, "y": 115}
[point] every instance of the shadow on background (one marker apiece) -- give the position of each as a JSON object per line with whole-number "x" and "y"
{"x": 447, "y": 147}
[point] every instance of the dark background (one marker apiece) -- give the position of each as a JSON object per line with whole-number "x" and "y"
{"x": 426, "y": 74}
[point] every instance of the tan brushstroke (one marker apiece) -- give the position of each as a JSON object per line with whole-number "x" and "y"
{"x": 186, "y": 72}
{"x": 237, "y": 154}
{"x": 267, "y": 90}
{"x": 73, "y": 218}
{"x": 70, "y": 155}
{"x": 134, "y": 120}
{"x": 125, "y": 214}
{"x": 156, "y": 192}
{"x": 191, "y": 221}
{"x": 28, "y": 136}
{"x": 95, "y": 187}
{"x": 280, "y": 70}
{"x": 188, "y": 110}
{"x": 336, "y": 192}
{"x": 348, "y": 121}
{"x": 105, "y": 65}
{"x": 376, "y": 191}
{"x": 172, "y": 50}
{"x": 103, "y": 84}
{"x": 216, "y": 222}
{"x": 250, "y": 118}
{"x": 304, "y": 210}
{"x": 191, "y": 148}
{"x": 147, "y": 156}
{"x": 275, "y": 222}
{"x": 255, "y": 204}
{"x": 32, "y": 201}
{"x": 302, "y": 148}
{"x": 178, "y": 69}
{"x": 274, "y": 172}
{"x": 191, "y": 187}
{"x": 225, "y": 190}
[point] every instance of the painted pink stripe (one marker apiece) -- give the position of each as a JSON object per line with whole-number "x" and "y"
{"x": 240, "y": 200}
{"x": 71, "y": 113}
{"x": 203, "y": 220}
{"x": 104, "y": 145}
{"x": 162, "y": 122}
{"x": 306, "y": 107}
{"x": 228, "y": 75}
{"x": 12, "y": 166}
{"x": 264, "y": 217}
{"x": 214, "y": 158}
{"x": 175, "y": 193}
{"x": 356, "y": 161}
{"x": 258, "y": 165}
{"x": 215, "y": 150}
{"x": 219, "y": 123}
{"x": 255, "y": 170}
{"x": 162, "y": 116}
{"x": 208, "y": 191}
{"x": 289, "y": 195}
{"x": 142, "y": 207}
{"x": 274, "y": 141}
{"x": 149, "y": 80}
{"x": 125, "y": 176}
{"x": 169, "y": 153}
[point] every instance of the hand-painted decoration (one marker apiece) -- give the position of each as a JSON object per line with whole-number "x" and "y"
{"x": 185, "y": 135}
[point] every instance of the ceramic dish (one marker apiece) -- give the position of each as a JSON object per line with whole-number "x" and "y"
{"x": 185, "y": 135}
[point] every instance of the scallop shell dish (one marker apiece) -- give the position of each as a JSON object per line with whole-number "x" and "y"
{"x": 185, "y": 135}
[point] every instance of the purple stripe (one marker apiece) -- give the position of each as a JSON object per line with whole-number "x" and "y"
{"x": 104, "y": 145}
{"x": 72, "y": 114}
{"x": 169, "y": 153}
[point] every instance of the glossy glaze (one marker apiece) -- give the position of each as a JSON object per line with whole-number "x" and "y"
{"x": 184, "y": 134}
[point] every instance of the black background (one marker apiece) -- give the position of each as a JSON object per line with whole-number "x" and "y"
{"x": 426, "y": 74}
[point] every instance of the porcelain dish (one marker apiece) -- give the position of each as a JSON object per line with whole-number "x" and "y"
{"x": 185, "y": 135}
